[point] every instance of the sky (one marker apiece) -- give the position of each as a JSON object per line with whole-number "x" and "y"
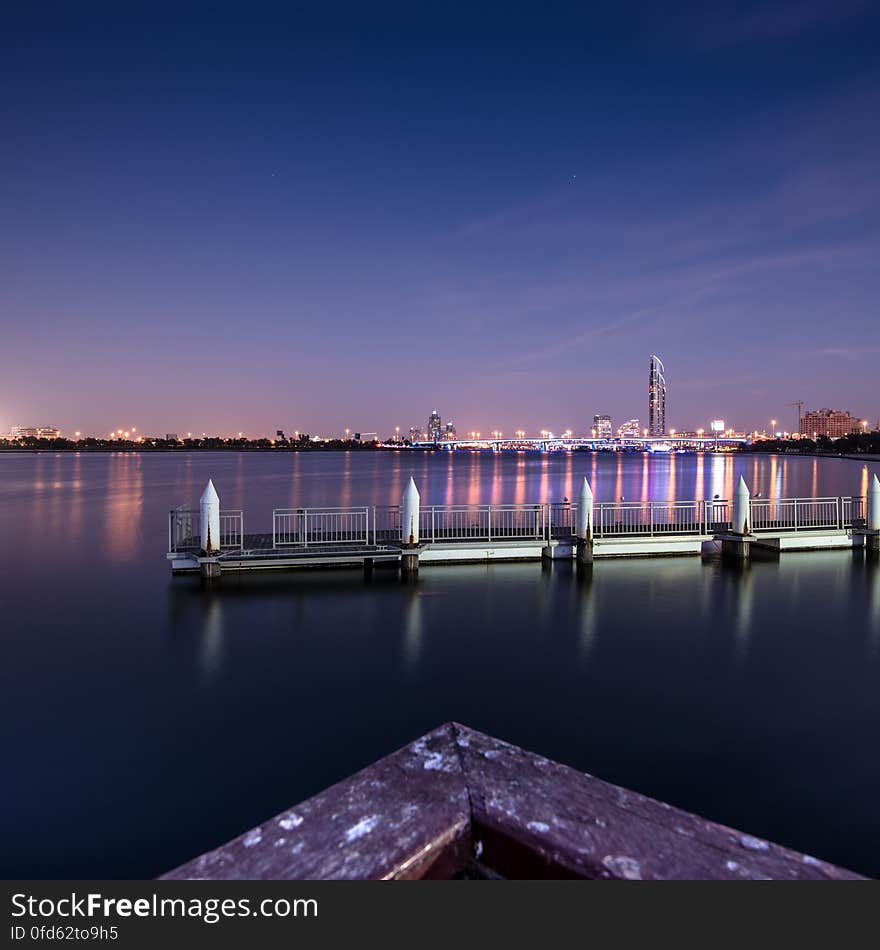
{"x": 243, "y": 217}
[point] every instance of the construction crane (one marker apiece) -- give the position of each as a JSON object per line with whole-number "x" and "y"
{"x": 800, "y": 407}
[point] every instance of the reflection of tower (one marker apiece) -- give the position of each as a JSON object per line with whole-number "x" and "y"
{"x": 434, "y": 426}
{"x": 657, "y": 398}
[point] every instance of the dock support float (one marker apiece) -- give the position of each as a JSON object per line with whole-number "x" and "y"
{"x": 209, "y": 568}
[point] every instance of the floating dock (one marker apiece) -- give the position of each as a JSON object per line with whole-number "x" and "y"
{"x": 212, "y": 541}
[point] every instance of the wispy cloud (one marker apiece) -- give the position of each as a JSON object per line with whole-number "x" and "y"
{"x": 767, "y": 22}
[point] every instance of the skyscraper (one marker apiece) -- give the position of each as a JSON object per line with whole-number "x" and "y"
{"x": 657, "y": 398}
{"x": 602, "y": 427}
{"x": 629, "y": 429}
{"x": 434, "y": 426}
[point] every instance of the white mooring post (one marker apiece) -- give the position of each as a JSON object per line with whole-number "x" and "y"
{"x": 873, "y": 513}
{"x": 409, "y": 522}
{"x": 585, "y": 512}
{"x": 872, "y": 519}
{"x": 584, "y": 526}
{"x": 742, "y": 520}
{"x": 409, "y": 529}
{"x": 209, "y": 508}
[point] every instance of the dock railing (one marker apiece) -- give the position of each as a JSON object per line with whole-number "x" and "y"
{"x": 482, "y": 522}
{"x": 379, "y": 526}
{"x": 304, "y": 527}
{"x": 184, "y": 530}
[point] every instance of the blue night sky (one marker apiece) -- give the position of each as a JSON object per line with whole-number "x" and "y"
{"x": 229, "y": 217}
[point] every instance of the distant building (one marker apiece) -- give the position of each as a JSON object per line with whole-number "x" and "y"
{"x": 657, "y": 398}
{"x": 630, "y": 429}
{"x": 832, "y": 423}
{"x": 279, "y": 434}
{"x": 602, "y": 427}
{"x": 435, "y": 425}
{"x": 416, "y": 434}
{"x": 35, "y": 432}
{"x": 450, "y": 431}
{"x": 170, "y": 436}
{"x": 366, "y": 436}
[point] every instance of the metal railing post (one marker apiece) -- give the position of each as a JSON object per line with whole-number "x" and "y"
{"x": 651, "y": 510}
{"x": 489, "y": 521}
{"x": 795, "y": 506}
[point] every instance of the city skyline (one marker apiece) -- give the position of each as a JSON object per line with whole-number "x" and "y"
{"x": 250, "y": 234}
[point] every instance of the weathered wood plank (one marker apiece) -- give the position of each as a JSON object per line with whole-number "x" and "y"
{"x": 457, "y": 797}
{"x": 533, "y": 817}
{"x": 405, "y": 816}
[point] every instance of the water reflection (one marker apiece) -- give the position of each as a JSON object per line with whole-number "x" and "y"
{"x": 211, "y": 653}
{"x": 124, "y": 507}
{"x": 587, "y": 613}
{"x": 874, "y": 608}
{"x": 413, "y": 633}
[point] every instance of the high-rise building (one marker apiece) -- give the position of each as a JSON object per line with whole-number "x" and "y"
{"x": 602, "y": 427}
{"x": 657, "y": 398}
{"x": 630, "y": 429}
{"x": 450, "y": 431}
{"x": 434, "y": 426}
{"x": 416, "y": 434}
{"x": 832, "y": 423}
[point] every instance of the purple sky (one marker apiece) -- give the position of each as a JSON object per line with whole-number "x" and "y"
{"x": 274, "y": 217}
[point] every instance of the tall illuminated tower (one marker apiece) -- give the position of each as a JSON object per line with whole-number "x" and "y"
{"x": 657, "y": 398}
{"x": 434, "y": 426}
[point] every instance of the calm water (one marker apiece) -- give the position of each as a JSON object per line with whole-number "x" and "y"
{"x": 146, "y": 720}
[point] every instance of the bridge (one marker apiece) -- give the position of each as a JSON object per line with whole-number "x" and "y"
{"x": 648, "y": 443}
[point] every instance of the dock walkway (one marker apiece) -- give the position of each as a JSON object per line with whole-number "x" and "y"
{"x": 211, "y": 540}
